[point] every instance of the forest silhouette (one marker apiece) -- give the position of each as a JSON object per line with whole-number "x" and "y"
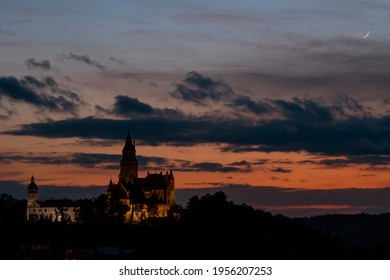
{"x": 209, "y": 227}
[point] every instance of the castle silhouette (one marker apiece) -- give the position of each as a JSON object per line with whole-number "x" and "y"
{"x": 146, "y": 197}
{"x": 149, "y": 197}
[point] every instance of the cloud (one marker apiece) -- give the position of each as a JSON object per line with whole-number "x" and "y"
{"x": 211, "y": 167}
{"x": 354, "y": 136}
{"x": 83, "y": 58}
{"x": 127, "y": 106}
{"x": 120, "y": 61}
{"x": 33, "y": 64}
{"x": 301, "y": 109}
{"x": 32, "y": 91}
{"x": 149, "y": 162}
{"x": 373, "y": 160}
{"x": 339, "y": 126}
{"x": 86, "y": 160}
{"x": 280, "y": 170}
{"x": 200, "y": 90}
{"x": 245, "y": 103}
{"x": 111, "y": 161}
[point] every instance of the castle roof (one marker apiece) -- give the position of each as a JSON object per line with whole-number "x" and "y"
{"x": 110, "y": 186}
{"x": 129, "y": 145}
{"x": 171, "y": 175}
{"x": 157, "y": 181}
{"x": 122, "y": 194}
{"x": 118, "y": 191}
{"x": 32, "y": 185}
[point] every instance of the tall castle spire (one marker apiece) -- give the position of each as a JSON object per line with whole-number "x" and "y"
{"x": 129, "y": 144}
{"x": 129, "y": 162}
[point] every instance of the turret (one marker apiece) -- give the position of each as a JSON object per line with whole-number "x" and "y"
{"x": 171, "y": 189}
{"x": 32, "y": 201}
{"x": 109, "y": 189}
{"x": 32, "y": 193}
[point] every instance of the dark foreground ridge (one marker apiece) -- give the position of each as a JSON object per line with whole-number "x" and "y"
{"x": 210, "y": 227}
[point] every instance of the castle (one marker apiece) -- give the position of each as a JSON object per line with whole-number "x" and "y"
{"x": 51, "y": 210}
{"x": 146, "y": 197}
{"x": 149, "y": 197}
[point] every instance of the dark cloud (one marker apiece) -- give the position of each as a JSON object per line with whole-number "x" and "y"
{"x": 339, "y": 127}
{"x": 85, "y": 160}
{"x": 280, "y": 170}
{"x": 35, "y": 92}
{"x": 199, "y": 89}
{"x": 300, "y": 109}
{"x": 261, "y": 161}
{"x": 98, "y": 142}
{"x": 304, "y": 110}
{"x": 83, "y": 58}
{"x": 111, "y": 161}
{"x": 212, "y": 167}
{"x": 127, "y": 106}
{"x": 246, "y": 103}
{"x": 148, "y": 162}
{"x": 354, "y": 136}
{"x": 373, "y": 160}
{"x": 34, "y": 64}
{"x": 240, "y": 163}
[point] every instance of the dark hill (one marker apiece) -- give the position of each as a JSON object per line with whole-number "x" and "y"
{"x": 362, "y": 230}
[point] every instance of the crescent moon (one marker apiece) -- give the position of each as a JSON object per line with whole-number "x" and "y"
{"x": 368, "y": 33}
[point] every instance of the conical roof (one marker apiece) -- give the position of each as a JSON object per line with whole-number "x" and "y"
{"x": 110, "y": 186}
{"x": 129, "y": 145}
{"x": 171, "y": 175}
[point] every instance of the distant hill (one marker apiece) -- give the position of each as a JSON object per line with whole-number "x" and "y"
{"x": 362, "y": 230}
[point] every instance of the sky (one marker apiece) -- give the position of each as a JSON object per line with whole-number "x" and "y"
{"x": 284, "y": 105}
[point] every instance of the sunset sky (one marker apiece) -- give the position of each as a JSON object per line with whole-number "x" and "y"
{"x": 282, "y": 104}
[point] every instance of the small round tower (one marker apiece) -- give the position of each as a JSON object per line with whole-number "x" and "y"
{"x": 32, "y": 193}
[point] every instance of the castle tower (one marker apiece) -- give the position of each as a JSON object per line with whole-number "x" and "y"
{"x": 129, "y": 162}
{"x": 32, "y": 201}
{"x": 32, "y": 193}
{"x": 171, "y": 189}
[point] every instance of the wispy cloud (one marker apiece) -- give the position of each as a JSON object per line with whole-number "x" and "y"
{"x": 84, "y": 59}
{"x": 34, "y": 64}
